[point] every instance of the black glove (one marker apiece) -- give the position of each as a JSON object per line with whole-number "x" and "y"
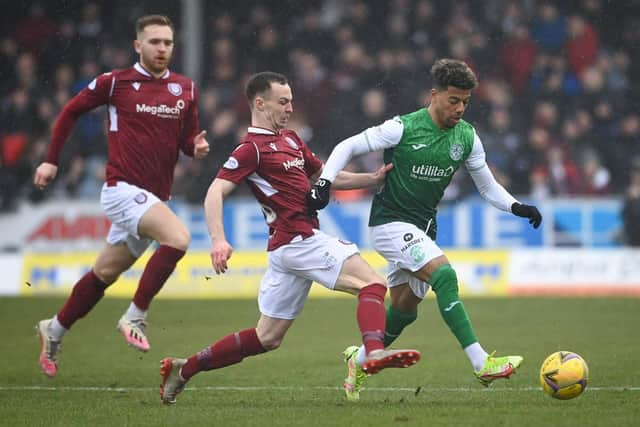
{"x": 527, "y": 211}
{"x": 319, "y": 195}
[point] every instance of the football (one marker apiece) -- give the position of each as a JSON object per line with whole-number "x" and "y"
{"x": 564, "y": 375}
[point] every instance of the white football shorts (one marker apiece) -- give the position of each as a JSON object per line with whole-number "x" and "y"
{"x": 294, "y": 266}
{"x": 124, "y": 204}
{"x": 406, "y": 248}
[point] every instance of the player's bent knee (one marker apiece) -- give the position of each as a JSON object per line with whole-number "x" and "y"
{"x": 179, "y": 240}
{"x": 444, "y": 279}
{"x": 108, "y": 275}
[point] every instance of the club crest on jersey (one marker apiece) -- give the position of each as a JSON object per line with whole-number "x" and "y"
{"x": 175, "y": 89}
{"x": 455, "y": 151}
{"x": 292, "y": 143}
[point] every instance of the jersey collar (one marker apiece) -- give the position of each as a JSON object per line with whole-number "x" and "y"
{"x": 144, "y": 72}
{"x": 260, "y": 131}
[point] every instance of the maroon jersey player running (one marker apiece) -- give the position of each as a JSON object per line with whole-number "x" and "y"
{"x": 277, "y": 166}
{"x": 152, "y": 115}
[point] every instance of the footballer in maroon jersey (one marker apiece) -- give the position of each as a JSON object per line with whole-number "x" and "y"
{"x": 152, "y": 116}
{"x": 278, "y": 166}
{"x": 149, "y": 121}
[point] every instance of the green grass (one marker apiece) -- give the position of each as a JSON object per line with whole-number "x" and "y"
{"x": 299, "y": 383}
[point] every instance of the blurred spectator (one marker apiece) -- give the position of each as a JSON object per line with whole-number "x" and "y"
{"x": 549, "y": 29}
{"x": 563, "y": 174}
{"x": 313, "y": 37}
{"x": 631, "y": 207}
{"x": 8, "y": 55}
{"x": 582, "y": 46}
{"x": 557, "y": 78}
{"x": 312, "y": 87}
{"x": 27, "y": 72}
{"x": 622, "y": 149}
{"x": 597, "y": 179}
{"x": 502, "y": 147}
{"x": 34, "y": 30}
{"x": 518, "y": 58}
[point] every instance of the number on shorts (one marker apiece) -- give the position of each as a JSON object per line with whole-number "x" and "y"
{"x": 269, "y": 214}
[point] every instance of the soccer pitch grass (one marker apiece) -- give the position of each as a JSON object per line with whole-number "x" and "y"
{"x": 101, "y": 381}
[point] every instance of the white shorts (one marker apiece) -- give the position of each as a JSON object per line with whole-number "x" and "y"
{"x": 294, "y": 266}
{"x": 124, "y": 204}
{"x": 407, "y": 249}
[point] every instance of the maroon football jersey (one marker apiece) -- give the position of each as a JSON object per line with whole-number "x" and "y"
{"x": 277, "y": 167}
{"x": 149, "y": 120}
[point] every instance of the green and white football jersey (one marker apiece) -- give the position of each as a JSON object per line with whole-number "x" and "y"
{"x": 425, "y": 159}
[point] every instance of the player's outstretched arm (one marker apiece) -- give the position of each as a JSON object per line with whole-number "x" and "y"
{"x": 350, "y": 180}
{"x": 319, "y": 196}
{"x": 376, "y": 138}
{"x": 492, "y": 191}
{"x": 221, "y": 250}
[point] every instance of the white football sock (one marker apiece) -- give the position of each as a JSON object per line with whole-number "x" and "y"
{"x": 361, "y": 356}
{"x": 133, "y": 312}
{"x": 55, "y": 330}
{"x": 476, "y": 354}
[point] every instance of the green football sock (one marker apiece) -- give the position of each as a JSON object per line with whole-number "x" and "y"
{"x": 444, "y": 283}
{"x": 396, "y": 321}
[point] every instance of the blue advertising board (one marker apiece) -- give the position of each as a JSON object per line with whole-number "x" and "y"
{"x": 472, "y": 224}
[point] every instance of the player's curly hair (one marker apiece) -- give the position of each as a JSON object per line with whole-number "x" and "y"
{"x": 261, "y": 82}
{"x": 452, "y": 72}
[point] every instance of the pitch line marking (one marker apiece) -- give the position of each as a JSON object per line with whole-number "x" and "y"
{"x": 284, "y": 388}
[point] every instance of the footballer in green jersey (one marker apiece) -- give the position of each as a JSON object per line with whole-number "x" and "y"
{"x": 426, "y": 148}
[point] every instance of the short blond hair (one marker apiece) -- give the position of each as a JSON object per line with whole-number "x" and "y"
{"x": 144, "y": 21}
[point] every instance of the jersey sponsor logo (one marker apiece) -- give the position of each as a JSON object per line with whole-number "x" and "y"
{"x": 292, "y": 143}
{"x": 456, "y": 151}
{"x": 163, "y": 111}
{"x": 231, "y": 163}
{"x": 136, "y": 86}
{"x": 417, "y": 147}
{"x": 175, "y": 89}
{"x": 431, "y": 172}
{"x": 411, "y": 243}
{"x": 295, "y": 163}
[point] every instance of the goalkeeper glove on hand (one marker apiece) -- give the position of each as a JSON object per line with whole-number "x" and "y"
{"x": 527, "y": 211}
{"x": 318, "y": 197}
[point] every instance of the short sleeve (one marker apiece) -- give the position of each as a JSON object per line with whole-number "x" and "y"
{"x": 242, "y": 162}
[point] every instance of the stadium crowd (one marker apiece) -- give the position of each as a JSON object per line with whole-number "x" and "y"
{"x": 554, "y": 109}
